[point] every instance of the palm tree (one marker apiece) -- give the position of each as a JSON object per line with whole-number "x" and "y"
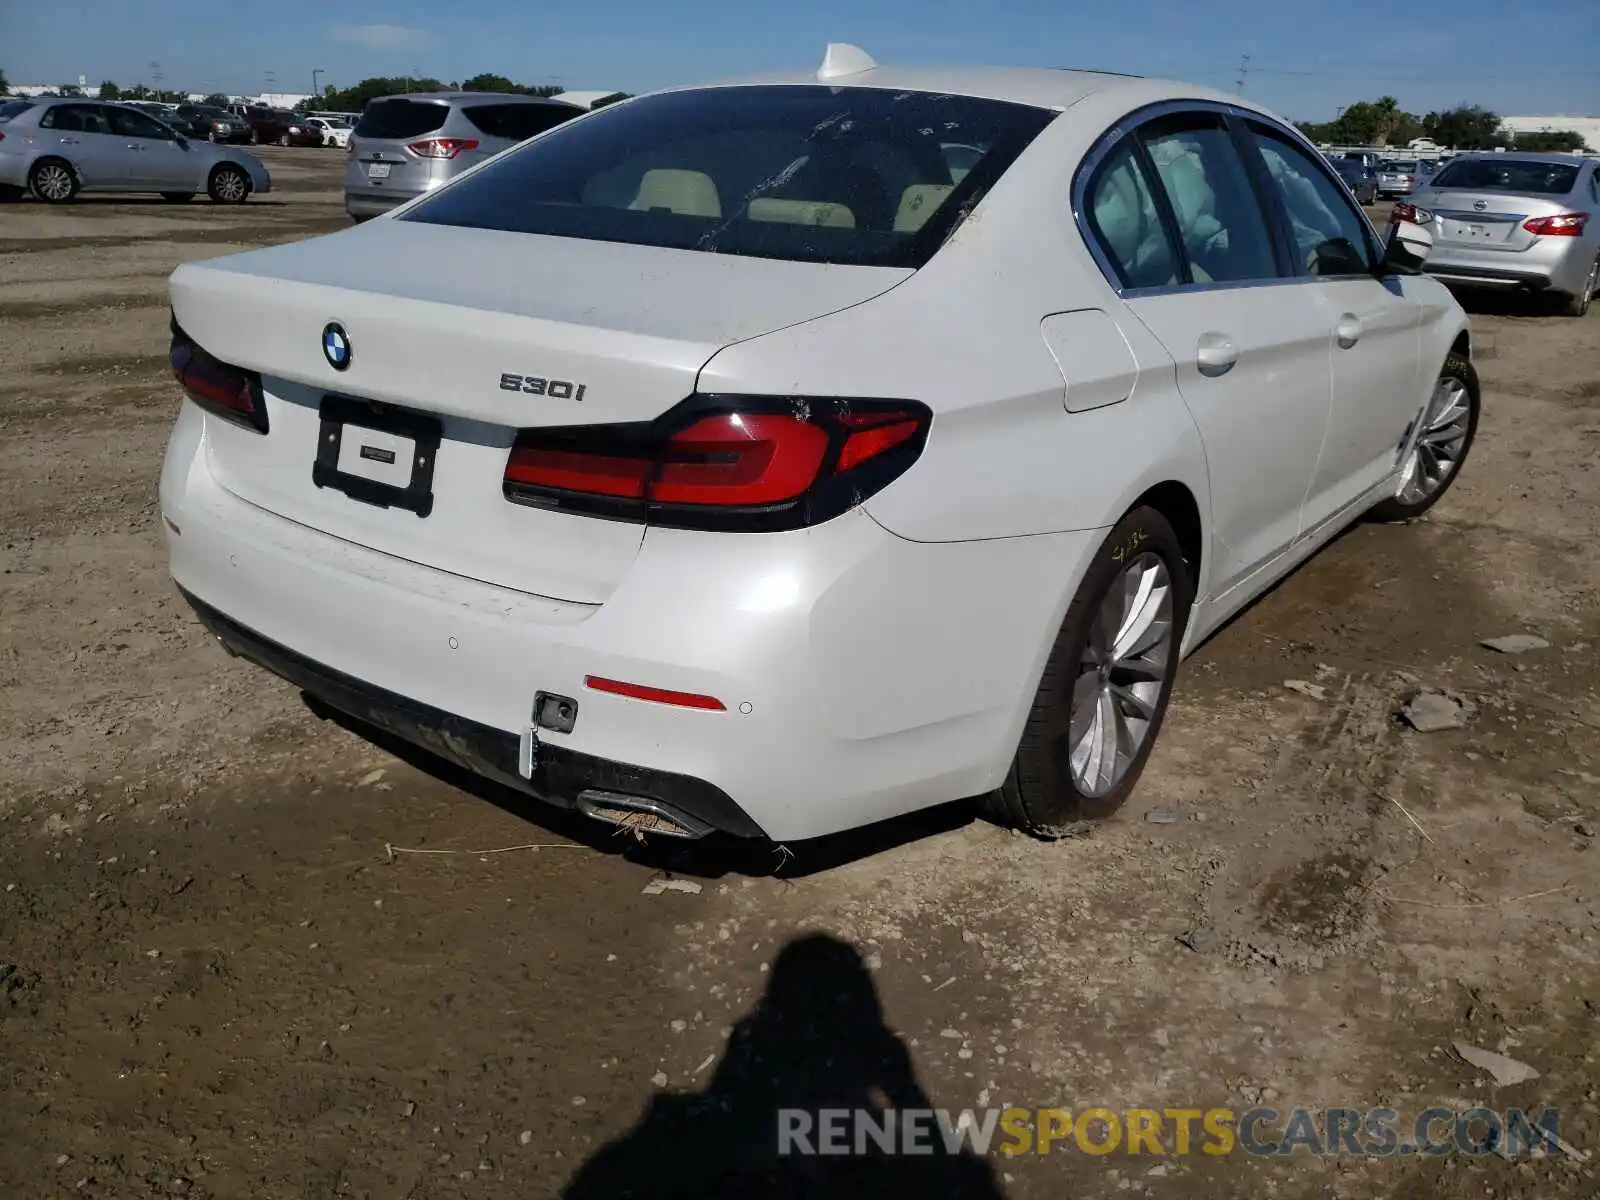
{"x": 1387, "y": 111}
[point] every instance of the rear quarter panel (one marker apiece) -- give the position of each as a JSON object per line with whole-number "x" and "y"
{"x": 1004, "y": 458}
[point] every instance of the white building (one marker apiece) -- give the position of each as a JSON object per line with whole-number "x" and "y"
{"x": 279, "y": 99}
{"x": 1587, "y": 127}
{"x": 585, "y": 99}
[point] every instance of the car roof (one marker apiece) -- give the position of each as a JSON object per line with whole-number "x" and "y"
{"x": 457, "y": 97}
{"x": 1041, "y": 87}
{"x": 1567, "y": 160}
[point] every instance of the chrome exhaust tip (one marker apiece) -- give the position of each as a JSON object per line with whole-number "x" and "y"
{"x": 639, "y": 815}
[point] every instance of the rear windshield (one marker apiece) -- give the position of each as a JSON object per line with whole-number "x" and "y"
{"x": 12, "y": 108}
{"x": 518, "y": 122}
{"x": 810, "y": 174}
{"x": 400, "y": 118}
{"x": 1402, "y": 165}
{"x": 1508, "y": 175}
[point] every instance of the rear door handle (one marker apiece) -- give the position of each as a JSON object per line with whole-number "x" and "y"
{"x": 1348, "y": 330}
{"x": 69, "y": 141}
{"x": 135, "y": 146}
{"x": 1215, "y": 355}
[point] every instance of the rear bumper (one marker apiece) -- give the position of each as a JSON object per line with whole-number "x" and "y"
{"x": 560, "y": 777}
{"x": 863, "y": 676}
{"x": 1543, "y": 268}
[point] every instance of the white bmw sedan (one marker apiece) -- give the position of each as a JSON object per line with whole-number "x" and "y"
{"x": 776, "y": 457}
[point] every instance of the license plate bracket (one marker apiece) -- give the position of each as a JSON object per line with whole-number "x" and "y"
{"x": 346, "y": 415}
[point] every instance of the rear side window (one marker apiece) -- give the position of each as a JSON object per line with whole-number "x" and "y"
{"x": 400, "y": 118}
{"x": 13, "y": 108}
{"x": 1123, "y": 217}
{"x": 805, "y": 173}
{"x": 75, "y": 118}
{"x": 1219, "y": 218}
{"x": 1508, "y": 175}
{"x": 519, "y": 122}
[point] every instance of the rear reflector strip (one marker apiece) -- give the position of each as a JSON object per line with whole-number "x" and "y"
{"x": 638, "y": 691}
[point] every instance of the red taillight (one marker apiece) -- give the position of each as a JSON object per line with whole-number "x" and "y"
{"x": 639, "y": 691}
{"x": 442, "y": 147}
{"x": 758, "y": 465}
{"x": 740, "y": 460}
{"x": 228, "y": 391}
{"x": 1409, "y": 212}
{"x": 1560, "y": 225}
{"x": 872, "y": 434}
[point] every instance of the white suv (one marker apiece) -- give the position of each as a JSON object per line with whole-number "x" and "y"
{"x": 745, "y": 458}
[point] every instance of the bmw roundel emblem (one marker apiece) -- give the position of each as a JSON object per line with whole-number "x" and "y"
{"x": 336, "y": 346}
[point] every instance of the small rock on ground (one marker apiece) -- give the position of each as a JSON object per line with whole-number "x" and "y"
{"x": 656, "y": 886}
{"x": 1516, "y": 643}
{"x": 1505, "y": 1070}
{"x": 1429, "y": 712}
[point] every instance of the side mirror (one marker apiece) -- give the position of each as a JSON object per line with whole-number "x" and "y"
{"x": 183, "y": 142}
{"x": 1406, "y": 248}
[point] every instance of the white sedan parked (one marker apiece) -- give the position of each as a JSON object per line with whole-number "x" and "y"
{"x": 720, "y": 460}
{"x": 334, "y": 131}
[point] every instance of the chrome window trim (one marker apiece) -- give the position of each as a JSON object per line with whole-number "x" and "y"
{"x": 1128, "y": 124}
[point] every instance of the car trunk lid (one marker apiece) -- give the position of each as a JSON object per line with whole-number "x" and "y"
{"x": 486, "y": 332}
{"x": 1486, "y": 220}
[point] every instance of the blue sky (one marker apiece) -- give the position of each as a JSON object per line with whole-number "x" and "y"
{"x": 1305, "y": 61}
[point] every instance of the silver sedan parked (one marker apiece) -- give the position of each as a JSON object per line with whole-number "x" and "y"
{"x": 57, "y": 148}
{"x": 1526, "y": 222}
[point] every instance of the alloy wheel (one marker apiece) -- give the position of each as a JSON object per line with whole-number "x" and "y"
{"x": 53, "y": 181}
{"x": 231, "y": 186}
{"x": 1439, "y": 446}
{"x": 1122, "y": 673}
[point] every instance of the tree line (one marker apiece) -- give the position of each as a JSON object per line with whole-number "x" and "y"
{"x": 353, "y": 99}
{"x": 1382, "y": 122}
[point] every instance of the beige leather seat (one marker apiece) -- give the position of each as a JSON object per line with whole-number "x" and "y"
{"x": 688, "y": 193}
{"x": 919, "y": 202}
{"x": 801, "y": 212}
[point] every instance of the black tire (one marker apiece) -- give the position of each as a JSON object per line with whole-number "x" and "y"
{"x": 1396, "y": 510}
{"x": 1577, "y": 306}
{"x": 1039, "y": 794}
{"x": 220, "y": 186}
{"x": 41, "y": 181}
{"x": 177, "y": 197}
{"x": 9, "y": 191}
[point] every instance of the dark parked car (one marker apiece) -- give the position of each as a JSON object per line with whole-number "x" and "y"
{"x": 204, "y": 123}
{"x": 1361, "y": 179}
{"x": 275, "y": 126}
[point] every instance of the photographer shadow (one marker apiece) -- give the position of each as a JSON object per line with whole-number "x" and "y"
{"x": 816, "y": 1040}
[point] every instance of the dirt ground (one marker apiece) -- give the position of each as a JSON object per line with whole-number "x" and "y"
{"x": 218, "y": 981}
